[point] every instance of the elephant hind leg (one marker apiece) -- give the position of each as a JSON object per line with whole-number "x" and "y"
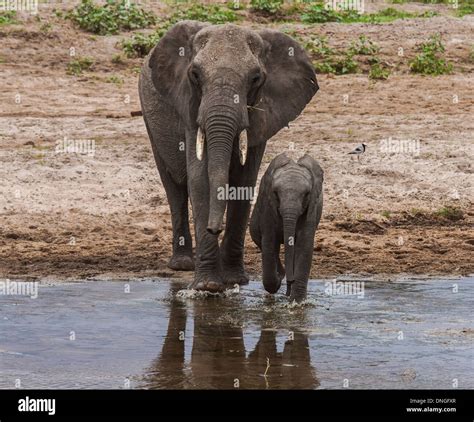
{"x": 182, "y": 258}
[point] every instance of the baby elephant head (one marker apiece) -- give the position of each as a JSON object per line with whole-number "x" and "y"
{"x": 296, "y": 190}
{"x": 234, "y": 88}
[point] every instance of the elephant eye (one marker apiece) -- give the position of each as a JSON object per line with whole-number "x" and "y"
{"x": 306, "y": 199}
{"x": 277, "y": 198}
{"x": 194, "y": 75}
{"x": 256, "y": 78}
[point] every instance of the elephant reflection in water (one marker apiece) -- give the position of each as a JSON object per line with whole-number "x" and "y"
{"x": 218, "y": 358}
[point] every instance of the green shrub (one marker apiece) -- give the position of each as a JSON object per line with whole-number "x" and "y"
{"x": 465, "y": 8}
{"x": 117, "y": 59}
{"x": 377, "y": 70}
{"x": 429, "y": 62}
{"x": 77, "y": 66}
{"x": 139, "y": 45}
{"x": 386, "y": 15}
{"x": 270, "y": 7}
{"x": 364, "y": 46}
{"x": 114, "y": 16}
{"x": 212, "y": 13}
{"x": 318, "y": 47}
{"x": 450, "y": 213}
{"x": 8, "y": 18}
{"x": 317, "y": 13}
{"x": 341, "y": 65}
{"x": 235, "y": 5}
{"x": 345, "y": 65}
{"x": 324, "y": 67}
{"x": 114, "y": 79}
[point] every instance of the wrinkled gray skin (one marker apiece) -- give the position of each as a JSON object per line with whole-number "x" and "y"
{"x": 287, "y": 211}
{"x": 209, "y": 77}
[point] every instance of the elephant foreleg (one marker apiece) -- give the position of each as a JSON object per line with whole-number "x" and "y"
{"x": 232, "y": 246}
{"x": 207, "y": 273}
{"x": 271, "y": 276}
{"x": 303, "y": 260}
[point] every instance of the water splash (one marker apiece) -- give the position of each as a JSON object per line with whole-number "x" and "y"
{"x": 309, "y": 302}
{"x": 187, "y": 294}
{"x": 231, "y": 292}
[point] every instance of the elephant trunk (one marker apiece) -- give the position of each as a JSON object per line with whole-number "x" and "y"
{"x": 221, "y": 131}
{"x": 290, "y": 218}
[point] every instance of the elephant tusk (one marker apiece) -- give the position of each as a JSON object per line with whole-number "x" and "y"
{"x": 243, "y": 145}
{"x": 199, "y": 144}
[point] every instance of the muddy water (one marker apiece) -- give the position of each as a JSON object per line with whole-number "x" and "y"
{"x": 406, "y": 334}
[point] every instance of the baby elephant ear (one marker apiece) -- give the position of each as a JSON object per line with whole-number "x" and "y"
{"x": 316, "y": 199}
{"x": 290, "y": 84}
{"x": 170, "y": 58}
{"x": 315, "y": 169}
{"x": 266, "y": 182}
{"x": 279, "y": 161}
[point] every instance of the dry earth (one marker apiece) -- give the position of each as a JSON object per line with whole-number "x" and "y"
{"x": 68, "y": 215}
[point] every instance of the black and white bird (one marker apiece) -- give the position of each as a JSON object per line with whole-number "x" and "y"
{"x": 360, "y": 149}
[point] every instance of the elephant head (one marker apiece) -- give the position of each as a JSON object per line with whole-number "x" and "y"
{"x": 234, "y": 88}
{"x": 295, "y": 193}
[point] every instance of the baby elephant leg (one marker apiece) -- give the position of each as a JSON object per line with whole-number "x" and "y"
{"x": 272, "y": 268}
{"x": 303, "y": 260}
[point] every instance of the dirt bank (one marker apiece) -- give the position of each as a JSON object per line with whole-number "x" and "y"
{"x": 77, "y": 215}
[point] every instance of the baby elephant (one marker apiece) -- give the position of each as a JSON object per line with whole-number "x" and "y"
{"x": 288, "y": 210}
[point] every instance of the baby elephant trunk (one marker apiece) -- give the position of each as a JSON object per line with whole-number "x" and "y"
{"x": 289, "y": 228}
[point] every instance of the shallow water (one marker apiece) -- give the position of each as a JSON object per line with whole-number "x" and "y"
{"x": 158, "y": 337}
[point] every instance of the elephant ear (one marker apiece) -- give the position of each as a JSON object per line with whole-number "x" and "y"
{"x": 170, "y": 59}
{"x": 266, "y": 183}
{"x": 290, "y": 84}
{"x": 316, "y": 197}
{"x": 279, "y": 161}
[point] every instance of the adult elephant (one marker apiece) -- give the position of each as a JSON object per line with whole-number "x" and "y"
{"x": 211, "y": 97}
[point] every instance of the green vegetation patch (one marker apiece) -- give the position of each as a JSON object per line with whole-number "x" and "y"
{"x": 213, "y": 13}
{"x": 378, "y": 70}
{"x": 77, "y": 66}
{"x": 430, "y": 61}
{"x": 8, "y": 18}
{"x": 108, "y": 19}
{"x": 266, "y": 7}
{"x": 317, "y": 13}
{"x": 450, "y": 213}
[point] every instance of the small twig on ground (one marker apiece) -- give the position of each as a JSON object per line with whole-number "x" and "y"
{"x": 267, "y": 368}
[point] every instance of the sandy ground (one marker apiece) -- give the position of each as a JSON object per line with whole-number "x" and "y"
{"x": 73, "y": 215}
